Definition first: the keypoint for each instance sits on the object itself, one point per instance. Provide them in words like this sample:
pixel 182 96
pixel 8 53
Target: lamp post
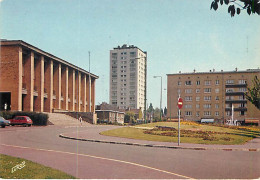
pixel 160 98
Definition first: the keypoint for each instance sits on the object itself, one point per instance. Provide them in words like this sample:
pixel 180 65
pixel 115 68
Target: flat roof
pixel 217 72
pixel 4 42
pixel 128 47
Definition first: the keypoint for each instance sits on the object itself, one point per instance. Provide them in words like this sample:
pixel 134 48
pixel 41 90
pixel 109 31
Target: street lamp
pixel 160 98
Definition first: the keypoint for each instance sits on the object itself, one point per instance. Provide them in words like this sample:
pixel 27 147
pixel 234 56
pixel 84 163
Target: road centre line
pixel 96 157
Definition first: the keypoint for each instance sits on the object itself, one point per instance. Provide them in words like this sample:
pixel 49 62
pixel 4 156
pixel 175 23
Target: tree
pixel 253 94
pixel 165 112
pixel 156 114
pixel 150 109
pixel 236 6
pixel 130 117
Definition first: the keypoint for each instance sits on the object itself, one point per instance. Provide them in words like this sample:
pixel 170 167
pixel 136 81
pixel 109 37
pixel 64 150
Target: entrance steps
pixel 65 120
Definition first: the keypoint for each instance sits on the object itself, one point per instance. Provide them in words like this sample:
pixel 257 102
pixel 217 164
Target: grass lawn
pixel 27 170
pixel 225 136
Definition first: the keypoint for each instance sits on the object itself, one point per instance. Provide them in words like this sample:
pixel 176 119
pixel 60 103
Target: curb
pixel 160 146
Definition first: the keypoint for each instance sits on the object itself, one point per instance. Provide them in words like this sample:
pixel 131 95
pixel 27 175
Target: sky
pixel 177 35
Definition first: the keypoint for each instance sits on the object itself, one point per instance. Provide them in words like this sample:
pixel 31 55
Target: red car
pixel 21 120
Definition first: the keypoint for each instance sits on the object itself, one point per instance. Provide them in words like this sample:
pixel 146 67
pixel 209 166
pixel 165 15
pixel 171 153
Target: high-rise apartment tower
pixel 128 69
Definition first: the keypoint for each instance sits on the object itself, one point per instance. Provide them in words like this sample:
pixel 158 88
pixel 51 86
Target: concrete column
pixel 59 87
pixel 84 93
pixel 67 88
pixel 93 95
pixel 70 89
pixel 79 91
pixel 87 93
pixel 64 88
pixel 76 91
pixel 73 90
pixel 20 84
pixel 48 85
pixel 39 84
pixel 29 81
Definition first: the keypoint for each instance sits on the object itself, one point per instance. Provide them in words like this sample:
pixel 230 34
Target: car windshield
pixel 28 118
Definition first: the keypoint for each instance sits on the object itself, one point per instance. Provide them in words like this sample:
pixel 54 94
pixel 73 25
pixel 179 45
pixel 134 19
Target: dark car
pixel 21 120
pixel 4 122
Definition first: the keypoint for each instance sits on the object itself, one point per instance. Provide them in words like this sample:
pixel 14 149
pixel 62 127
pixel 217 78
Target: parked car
pixel 21 120
pixel 4 122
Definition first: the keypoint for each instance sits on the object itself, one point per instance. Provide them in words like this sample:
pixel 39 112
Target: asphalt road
pixel 115 161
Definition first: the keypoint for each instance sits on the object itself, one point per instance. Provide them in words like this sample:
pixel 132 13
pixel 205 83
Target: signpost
pixel 180 104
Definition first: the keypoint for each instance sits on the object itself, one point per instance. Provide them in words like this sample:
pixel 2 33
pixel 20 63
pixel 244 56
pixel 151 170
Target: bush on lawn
pixel 39 119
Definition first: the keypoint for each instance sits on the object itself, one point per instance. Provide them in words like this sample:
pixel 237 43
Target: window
pixel 179 83
pixel 188 113
pixel 242 89
pixel 241 81
pixel 228 113
pixel 216 106
pixel 207 113
pixel 179 91
pixel 188 98
pixel 207 82
pixel 217 98
pixel 241 97
pixel 197 106
pixel 187 106
pixel 197 113
pixel 229 97
pixel 217 82
pixel 216 113
pixel 217 90
pixel 207 98
pixel 188 91
pixel 188 83
pixel 197 90
pixel 229 90
pixel 230 81
pixel 207 106
pixel 242 105
pixel 197 98
pixel 198 82
pixel 207 90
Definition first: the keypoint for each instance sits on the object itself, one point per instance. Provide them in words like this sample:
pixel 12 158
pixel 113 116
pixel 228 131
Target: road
pixel 92 160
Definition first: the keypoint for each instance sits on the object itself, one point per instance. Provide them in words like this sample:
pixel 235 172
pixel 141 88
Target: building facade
pixel 128 72
pixel 34 80
pixel 109 113
pixel 211 95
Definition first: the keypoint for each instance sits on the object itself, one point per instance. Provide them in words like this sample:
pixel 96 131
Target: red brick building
pixel 34 80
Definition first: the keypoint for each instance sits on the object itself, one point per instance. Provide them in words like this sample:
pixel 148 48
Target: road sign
pixel 180 103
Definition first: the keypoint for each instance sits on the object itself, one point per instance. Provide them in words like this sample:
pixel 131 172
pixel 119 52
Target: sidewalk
pixel 92 135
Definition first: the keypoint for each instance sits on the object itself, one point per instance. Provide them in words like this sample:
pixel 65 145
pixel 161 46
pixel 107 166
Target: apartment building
pixel 211 95
pixel 34 80
pixel 128 69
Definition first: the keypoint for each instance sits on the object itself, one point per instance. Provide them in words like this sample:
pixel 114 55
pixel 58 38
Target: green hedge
pixel 39 119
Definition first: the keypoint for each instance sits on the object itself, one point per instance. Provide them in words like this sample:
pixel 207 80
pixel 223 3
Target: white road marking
pixel 97 157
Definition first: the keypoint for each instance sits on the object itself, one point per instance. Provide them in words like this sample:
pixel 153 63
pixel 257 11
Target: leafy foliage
pixel 165 112
pixel 235 6
pixel 253 94
pixel 130 117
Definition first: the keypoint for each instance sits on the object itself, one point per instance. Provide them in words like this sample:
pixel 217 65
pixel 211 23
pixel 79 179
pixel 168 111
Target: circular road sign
pixel 180 103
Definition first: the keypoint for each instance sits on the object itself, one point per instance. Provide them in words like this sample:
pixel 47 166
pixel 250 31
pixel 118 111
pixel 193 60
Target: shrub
pixel 39 119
